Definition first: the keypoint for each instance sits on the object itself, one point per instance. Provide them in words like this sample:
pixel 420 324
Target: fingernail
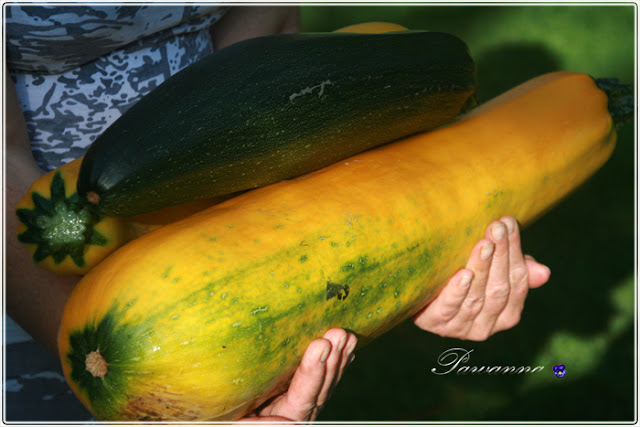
pixel 351 358
pixel 351 348
pixel 325 354
pixel 486 252
pixel 465 281
pixel 341 343
pixel 511 224
pixel 498 231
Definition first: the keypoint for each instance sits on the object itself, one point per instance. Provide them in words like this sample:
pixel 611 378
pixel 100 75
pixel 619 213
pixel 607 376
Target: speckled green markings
pixel 273 108
pixel 368 294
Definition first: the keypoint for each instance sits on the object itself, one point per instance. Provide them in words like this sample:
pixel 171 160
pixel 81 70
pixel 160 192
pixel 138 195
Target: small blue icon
pixel 559 371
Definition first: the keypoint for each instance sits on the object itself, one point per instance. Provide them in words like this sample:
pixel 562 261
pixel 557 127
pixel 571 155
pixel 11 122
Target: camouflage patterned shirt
pixel 78 68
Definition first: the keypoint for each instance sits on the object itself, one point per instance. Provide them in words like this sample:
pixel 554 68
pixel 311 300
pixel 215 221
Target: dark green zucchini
pixel 273 108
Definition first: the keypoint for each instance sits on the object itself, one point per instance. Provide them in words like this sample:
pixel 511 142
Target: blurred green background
pixel 584 317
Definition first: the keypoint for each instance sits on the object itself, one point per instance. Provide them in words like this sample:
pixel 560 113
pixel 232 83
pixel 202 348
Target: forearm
pixel 245 22
pixel 35 297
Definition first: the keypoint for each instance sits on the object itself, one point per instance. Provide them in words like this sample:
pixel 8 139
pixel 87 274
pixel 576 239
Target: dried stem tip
pixel 96 365
pixel 93 197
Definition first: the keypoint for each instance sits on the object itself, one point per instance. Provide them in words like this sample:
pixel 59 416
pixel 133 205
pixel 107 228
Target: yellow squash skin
pixel 372 28
pixel 205 318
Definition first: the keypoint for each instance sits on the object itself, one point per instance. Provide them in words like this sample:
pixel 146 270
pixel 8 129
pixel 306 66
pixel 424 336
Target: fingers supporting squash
pixel 436 316
pixel 498 287
pixel 321 368
pixel 517 279
pixel 299 402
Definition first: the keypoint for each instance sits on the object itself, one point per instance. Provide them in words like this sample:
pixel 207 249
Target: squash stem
pixel 96 365
pixel 621 99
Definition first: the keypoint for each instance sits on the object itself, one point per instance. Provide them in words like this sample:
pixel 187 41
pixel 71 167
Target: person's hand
pixel 488 295
pixel 321 368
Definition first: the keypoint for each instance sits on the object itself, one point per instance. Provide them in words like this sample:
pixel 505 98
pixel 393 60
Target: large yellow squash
pixel 205 318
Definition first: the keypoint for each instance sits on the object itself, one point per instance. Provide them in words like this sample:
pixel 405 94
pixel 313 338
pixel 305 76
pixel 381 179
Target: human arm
pixel 245 22
pixel 35 297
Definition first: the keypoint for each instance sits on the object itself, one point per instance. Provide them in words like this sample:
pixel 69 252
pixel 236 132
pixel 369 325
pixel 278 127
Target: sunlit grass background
pixel 584 317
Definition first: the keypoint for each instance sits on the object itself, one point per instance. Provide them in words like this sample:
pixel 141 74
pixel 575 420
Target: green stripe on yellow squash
pixel 205 318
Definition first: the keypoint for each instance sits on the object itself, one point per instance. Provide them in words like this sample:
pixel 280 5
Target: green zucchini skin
pixel 273 108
